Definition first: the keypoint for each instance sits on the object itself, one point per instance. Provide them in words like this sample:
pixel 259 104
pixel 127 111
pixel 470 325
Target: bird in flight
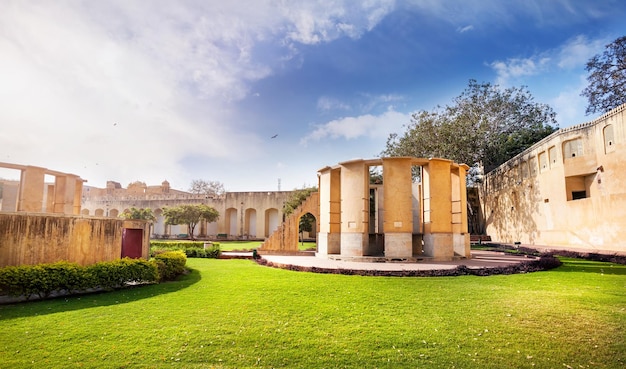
pixel 276 135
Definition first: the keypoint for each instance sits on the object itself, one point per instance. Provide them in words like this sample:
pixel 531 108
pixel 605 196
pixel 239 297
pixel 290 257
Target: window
pixel 533 166
pixel 543 161
pixel 609 139
pixel 552 156
pixel 578 187
pixel 573 148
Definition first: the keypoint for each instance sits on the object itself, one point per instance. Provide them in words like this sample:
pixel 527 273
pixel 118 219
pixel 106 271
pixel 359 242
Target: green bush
pixel 44 279
pixel 171 264
pixel 176 245
pixel 117 273
pixel 192 252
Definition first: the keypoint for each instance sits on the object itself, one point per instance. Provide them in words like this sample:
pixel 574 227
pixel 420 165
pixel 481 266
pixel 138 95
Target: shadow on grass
pixel 96 299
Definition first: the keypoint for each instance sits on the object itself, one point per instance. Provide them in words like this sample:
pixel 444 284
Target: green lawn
pixel 250 245
pixel 236 314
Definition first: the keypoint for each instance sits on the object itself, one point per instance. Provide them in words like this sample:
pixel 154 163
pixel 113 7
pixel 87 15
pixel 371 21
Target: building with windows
pixel 566 191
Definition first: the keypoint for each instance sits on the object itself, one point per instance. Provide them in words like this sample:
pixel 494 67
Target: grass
pixel 236 314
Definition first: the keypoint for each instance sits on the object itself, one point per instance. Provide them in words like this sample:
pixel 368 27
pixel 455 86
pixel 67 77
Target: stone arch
pixel 230 219
pixel 114 213
pixel 307 234
pixel 159 228
pixel 99 212
pixel 250 222
pixel 271 221
pixel 84 212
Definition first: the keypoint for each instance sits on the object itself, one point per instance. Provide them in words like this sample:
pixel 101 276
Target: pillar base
pixel 398 245
pixel 353 244
pixel 328 244
pixel 439 246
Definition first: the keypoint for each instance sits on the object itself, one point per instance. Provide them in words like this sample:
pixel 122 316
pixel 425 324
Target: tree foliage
pixel 484 125
pixel 209 188
pixel 190 215
pixel 607 78
pixel 297 197
pixel 134 213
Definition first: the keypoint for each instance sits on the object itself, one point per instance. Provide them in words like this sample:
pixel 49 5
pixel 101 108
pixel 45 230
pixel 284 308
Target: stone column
pixel 354 207
pixel 398 204
pixel 64 191
pixel 461 237
pixel 438 239
pixel 329 235
pixel 31 189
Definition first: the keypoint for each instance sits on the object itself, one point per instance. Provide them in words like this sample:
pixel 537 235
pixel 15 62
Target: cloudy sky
pixel 248 92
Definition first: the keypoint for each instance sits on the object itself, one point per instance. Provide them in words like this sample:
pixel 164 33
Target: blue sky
pixel 182 90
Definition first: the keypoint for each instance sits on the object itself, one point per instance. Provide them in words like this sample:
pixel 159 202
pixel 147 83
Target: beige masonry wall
pixel 30 238
pixel 566 191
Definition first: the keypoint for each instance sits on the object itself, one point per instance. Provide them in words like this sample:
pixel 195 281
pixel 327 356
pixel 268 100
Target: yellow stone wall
pixel 566 191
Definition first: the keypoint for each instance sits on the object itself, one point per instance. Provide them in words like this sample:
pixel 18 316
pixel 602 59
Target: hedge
pixel 171 264
pixel 67 278
pixel 191 249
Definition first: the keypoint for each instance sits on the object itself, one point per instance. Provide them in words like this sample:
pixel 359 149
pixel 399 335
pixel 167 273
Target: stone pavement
pixel 480 259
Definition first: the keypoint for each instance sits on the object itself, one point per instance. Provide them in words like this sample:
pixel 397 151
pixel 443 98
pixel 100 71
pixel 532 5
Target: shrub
pixel 117 273
pixel 171 264
pixel 44 279
pixel 192 252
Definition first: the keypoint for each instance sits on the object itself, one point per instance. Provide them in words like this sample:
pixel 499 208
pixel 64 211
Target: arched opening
pixel 271 221
pixel 113 213
pixel 84 212
pixel 307 230
pixel 159 224
pixel 99 212
pixel 230 219
pixel 250 223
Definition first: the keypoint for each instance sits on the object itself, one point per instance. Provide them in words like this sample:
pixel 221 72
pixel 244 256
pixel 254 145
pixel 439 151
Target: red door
pixel 132 243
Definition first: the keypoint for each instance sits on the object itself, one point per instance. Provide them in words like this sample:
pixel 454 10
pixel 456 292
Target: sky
pixel 261 94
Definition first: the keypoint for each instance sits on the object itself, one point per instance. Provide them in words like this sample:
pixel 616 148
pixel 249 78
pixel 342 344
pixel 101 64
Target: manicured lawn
pixel 250 245
pixel 236 314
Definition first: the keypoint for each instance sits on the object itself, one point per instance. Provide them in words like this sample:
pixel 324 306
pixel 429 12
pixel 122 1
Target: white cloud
pixel 573 54
pixel 108 89
pixel 372 126
pixel 465 29
pixel 326 103
pixel 578 50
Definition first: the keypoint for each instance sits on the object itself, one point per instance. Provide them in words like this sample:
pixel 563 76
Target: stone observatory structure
pixel 393 209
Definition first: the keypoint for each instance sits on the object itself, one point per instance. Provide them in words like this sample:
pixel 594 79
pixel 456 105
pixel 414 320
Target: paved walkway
pixel 480 259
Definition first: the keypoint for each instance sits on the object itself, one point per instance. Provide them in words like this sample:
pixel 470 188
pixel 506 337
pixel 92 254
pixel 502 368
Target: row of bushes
pixel 62 277
pixel 191 249
pixel 179 245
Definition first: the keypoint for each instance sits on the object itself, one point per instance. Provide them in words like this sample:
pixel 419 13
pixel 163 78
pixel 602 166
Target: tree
pixel 190 215
pixel 134 213
pixel 485 126
pixel 208 188
pixel 305 225
pixel 607 78
pixel 296 198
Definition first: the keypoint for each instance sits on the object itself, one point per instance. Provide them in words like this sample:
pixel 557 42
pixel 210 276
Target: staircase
pixel 285 238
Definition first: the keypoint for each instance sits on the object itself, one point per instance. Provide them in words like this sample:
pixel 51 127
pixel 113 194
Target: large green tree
pixel 190 215
pixel 607 78
pixel 134 213
pixel 296 198
pixel 485 125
